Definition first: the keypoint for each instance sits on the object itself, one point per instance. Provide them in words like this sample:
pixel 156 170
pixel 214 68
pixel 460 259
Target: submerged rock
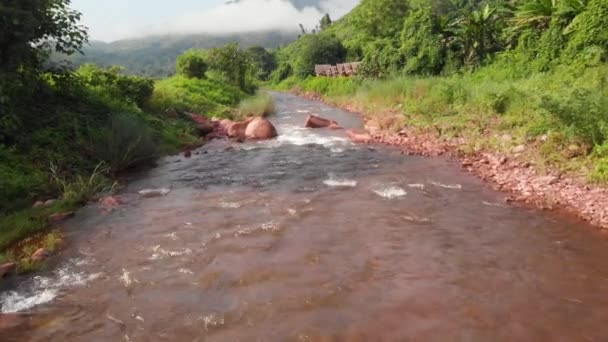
pixel 109 203
pixel 358 136
pixel 260 128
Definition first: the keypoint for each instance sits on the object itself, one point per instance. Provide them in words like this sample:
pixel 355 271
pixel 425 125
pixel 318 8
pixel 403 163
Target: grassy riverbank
pixel 89 125
pixel 560 117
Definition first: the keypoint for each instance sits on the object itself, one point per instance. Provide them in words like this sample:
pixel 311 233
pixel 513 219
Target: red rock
pixel 358 136
pixel 260 128
pixel 60 217
pixel 334 126
pixel 40 255
pixel 314 121
pixel 7 268
pixel 204 126
pixel 109 203
pixel 238 129
pixel 223 126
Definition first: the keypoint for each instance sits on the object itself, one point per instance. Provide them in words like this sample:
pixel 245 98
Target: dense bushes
pixel 209 97
pixel 192 64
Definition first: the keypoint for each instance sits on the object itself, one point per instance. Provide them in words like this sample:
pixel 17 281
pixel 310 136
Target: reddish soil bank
pixel 512 174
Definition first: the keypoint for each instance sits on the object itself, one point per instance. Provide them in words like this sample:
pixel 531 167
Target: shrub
pixel 125 141
pixel 260 105
pixel 81 189
pixel 192 64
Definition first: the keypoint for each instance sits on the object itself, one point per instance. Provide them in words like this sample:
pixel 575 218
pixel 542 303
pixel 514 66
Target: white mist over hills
pixel 235 16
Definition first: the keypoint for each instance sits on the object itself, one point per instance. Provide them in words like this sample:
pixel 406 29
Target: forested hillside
pixel 155 56
pixel 526 70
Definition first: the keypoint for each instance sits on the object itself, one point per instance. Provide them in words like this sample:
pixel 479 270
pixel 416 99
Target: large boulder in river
pixel 313 121
pixel 224 125
pixel 260 128
pixel 237 129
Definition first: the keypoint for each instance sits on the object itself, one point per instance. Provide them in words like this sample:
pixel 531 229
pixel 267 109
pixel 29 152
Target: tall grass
pixel 261 104
pixel 568 106
pixel 208 97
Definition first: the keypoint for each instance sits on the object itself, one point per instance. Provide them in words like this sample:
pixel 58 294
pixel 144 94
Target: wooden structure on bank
pixel 345 69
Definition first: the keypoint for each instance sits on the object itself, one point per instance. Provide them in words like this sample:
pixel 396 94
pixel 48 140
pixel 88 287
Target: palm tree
pixel 535 14
pixel 475 34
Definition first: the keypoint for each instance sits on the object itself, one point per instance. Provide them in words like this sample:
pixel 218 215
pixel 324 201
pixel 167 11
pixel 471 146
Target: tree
pixel 317 49
pixel 234 64
pixel 325 22
pixel 31 29
pixel 476 35
pixel 422 43
pixel 263 61
pixel 192 64
pixel 380 18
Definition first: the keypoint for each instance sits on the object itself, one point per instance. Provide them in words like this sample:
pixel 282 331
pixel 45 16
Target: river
pixel 311 238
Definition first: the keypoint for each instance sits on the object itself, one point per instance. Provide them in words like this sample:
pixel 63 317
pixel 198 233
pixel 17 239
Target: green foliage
pixel 282 72
pixel 234 66
pixel 81 189
pixel 422 43
pixel 264 62
pixel 584 111
pixel 155 56
pixel 325 22
pixel 192 64
pixel 316 49
pixel 125 141
pixel 210 97
pixel 382 58
pixel 31 29
pixel 589 31
pixel 110 81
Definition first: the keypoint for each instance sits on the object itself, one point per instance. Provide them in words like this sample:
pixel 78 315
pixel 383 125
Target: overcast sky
pixel 111 20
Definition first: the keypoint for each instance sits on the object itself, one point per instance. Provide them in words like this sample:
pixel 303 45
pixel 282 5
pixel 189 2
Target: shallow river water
pixel 311 238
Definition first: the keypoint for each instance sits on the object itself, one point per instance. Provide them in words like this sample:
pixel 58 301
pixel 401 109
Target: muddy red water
pixel 311 238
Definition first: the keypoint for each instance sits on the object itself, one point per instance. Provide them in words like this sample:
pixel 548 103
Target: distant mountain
pixel 155 56
pixel 299 4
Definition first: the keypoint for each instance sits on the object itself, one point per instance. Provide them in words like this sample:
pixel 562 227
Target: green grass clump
pixel 207 96
pixel 261 104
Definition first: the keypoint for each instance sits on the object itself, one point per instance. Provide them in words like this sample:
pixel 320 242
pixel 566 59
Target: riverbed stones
pixel 358 136
pixel 260 128
pixel 109 203
pixel 7 268
pixel 519 149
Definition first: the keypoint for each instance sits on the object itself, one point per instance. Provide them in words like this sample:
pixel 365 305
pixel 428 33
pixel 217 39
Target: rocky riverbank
pixel 513 173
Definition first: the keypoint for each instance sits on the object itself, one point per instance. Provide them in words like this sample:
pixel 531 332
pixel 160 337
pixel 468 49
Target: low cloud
pixel 245 16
